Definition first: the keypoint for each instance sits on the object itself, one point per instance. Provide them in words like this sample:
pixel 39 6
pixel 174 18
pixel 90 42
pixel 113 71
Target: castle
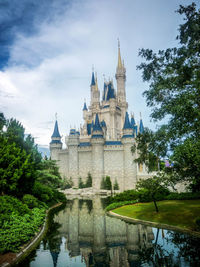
pixel 103 144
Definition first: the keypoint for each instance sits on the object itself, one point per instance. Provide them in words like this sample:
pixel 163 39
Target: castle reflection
pixel 99 239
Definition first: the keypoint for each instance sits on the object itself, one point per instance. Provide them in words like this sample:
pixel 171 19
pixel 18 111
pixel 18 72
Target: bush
pixel 32 202
pixel 115 205
pixel 18 229
pixel 80 183
pixel 183 196
pixel 124 196
pixel 67 183
pixel 116 186
pixel 43 192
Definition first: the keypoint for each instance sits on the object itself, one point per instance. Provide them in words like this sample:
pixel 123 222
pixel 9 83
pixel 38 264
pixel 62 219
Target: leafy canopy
pixel 174 95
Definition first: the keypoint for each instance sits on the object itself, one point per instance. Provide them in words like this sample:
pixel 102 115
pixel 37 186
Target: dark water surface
pixel 82 235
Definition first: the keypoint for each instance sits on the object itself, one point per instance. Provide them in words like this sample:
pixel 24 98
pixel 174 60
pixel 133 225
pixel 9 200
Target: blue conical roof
pixel 97 126
pixel 93 79
pixel 141 128
pixel 132 122
pixel 127 124
pixel 56 131
pixel 85 106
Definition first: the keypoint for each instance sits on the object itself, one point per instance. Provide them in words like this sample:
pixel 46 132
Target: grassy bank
pixel 180 213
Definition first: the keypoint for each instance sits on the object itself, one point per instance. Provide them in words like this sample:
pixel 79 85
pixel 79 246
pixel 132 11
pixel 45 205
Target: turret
pixel 95 94
pixel 127 129
pixel 129 166
pixel 85 110
pixel 56 144
pixel 141 126
pixel 97 142
pixel 73 143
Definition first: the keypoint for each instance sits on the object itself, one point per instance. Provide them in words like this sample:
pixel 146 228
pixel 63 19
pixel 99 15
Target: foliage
pixel 67 183
pixel 49 174
pixel 154 188
pixel 116 186
pixel 32 202
pixel 115 205
pixel 19 229
pixel 80 183
pixel 183 196
pixel 18 223
pixel 2 121
pixel 174 95
pixel 16 169
pixel 124 196
pixel 89 180
pixel 106 183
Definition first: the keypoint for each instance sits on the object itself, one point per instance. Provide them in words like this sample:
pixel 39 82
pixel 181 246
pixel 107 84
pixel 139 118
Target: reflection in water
pixel 81 235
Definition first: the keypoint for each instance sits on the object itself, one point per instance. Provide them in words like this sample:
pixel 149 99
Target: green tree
pixel 89 180
pixel 116 186
pixel 153 186
pixel 2 121
pixel 16 169
pixel 174 94
pixel 80 183
pixel 49 174
pixel 108 183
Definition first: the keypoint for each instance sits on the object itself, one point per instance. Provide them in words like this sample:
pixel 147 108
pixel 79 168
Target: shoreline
pixel 153 224
pixel 29 246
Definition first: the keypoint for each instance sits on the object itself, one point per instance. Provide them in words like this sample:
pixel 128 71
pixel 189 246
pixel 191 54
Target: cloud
pixel 53 47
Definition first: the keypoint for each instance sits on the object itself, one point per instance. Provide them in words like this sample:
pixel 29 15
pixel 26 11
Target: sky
pixel 48 47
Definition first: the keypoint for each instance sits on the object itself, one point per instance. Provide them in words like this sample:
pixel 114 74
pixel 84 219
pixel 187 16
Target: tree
pixel 89 180
pixel 153 186
pixel 2 121
pixel 16 169
pixel 80 183
pixel 174 94
pixel 49 174
pixel 116 186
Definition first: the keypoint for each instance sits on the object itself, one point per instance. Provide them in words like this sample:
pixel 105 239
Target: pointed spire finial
pixel 140 115
pixel 56 116
pixel 119 56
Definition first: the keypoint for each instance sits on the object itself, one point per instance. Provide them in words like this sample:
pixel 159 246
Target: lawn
pixel 181 213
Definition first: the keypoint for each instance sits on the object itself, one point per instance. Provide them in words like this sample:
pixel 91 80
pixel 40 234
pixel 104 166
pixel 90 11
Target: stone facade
pixel 103 144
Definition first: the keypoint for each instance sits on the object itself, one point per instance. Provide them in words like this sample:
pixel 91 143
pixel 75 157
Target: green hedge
pixel 183 196
pixel 18 223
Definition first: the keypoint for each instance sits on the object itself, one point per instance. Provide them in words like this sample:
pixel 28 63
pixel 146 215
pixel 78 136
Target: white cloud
pixel 50 71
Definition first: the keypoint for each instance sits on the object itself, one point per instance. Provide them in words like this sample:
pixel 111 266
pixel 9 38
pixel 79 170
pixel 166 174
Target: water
pixel 82 235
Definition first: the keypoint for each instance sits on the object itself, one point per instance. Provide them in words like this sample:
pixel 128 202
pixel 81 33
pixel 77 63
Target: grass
pixel 181 213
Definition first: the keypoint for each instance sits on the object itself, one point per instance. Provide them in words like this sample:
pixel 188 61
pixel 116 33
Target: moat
pixel 82 235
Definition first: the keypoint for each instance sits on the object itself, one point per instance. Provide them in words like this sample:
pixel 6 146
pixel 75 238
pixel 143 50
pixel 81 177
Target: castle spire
pixel 119 65
pixel 96 83
pixel 127 124
pixel 56 131
pixel 141 127
pixel 93 79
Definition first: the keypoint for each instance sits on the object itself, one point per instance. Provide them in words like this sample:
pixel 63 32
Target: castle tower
pixel 95 94
pixel 56 144
pixel 73 162
pixel 121 82
pixel 97 142
pixel 129 165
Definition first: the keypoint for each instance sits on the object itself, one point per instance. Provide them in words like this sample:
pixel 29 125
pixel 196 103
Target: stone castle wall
pixel 100 160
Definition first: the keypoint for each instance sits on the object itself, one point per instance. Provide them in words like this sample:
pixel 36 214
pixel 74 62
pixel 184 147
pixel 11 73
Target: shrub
pixel 80 183
pixel 43 192
pixel 183 196
pixel 67 183
pixel 31 201
pixel 124 196
pixel 18 229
